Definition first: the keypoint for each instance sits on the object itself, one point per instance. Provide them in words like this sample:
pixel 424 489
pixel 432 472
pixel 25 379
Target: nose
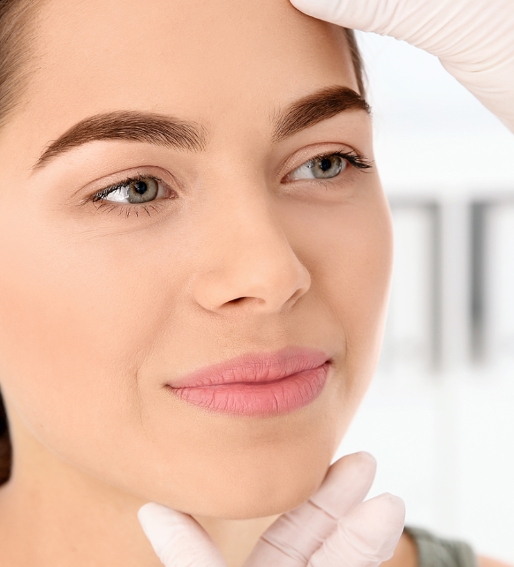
pixel 250 262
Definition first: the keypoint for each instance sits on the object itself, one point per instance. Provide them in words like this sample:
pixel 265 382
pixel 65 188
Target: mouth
pixel 257 384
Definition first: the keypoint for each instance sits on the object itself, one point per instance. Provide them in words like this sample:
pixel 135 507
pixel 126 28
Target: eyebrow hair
pixel 129 125
pixel 172 132
pixel 314 108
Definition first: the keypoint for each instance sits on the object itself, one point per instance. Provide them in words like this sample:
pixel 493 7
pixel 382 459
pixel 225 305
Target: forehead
pixel 185 57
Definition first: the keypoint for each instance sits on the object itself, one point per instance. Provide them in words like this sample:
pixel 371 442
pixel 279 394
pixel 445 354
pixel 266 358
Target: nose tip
pixel 257 269
pixel 263 286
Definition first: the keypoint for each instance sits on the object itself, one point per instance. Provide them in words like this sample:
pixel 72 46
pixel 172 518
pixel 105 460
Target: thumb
pixel 366 537
pixel 177 538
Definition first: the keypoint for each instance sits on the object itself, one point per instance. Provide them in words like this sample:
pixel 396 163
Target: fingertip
pixel 328 10
pixel 362 462
pixel 302 5
pixel 366 458
pixel 151 513
pixel 160 523
pixel 177 538
pixel 147 512
pixel 392 505
pixel 365 454
pixel 346 484
pixel 378 521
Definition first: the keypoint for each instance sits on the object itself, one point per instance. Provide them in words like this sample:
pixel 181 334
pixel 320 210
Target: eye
pixel 140 189
pixel 324 167
pixel 328 166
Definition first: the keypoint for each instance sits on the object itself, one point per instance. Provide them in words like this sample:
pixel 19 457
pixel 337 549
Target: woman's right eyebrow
pixel 172 132
pixel 128 125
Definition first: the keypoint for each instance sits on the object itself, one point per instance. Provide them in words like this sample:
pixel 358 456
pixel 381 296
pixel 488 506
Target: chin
pixel 249 509
pixel 238 502
pixel 242 472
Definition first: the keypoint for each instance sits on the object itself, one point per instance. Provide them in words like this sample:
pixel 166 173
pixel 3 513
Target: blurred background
pixel 439 416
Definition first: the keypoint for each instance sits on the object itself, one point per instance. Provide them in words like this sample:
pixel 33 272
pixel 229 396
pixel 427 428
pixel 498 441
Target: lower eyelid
pixel 126 210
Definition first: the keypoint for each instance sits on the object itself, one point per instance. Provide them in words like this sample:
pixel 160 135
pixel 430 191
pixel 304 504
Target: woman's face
pixel 233 248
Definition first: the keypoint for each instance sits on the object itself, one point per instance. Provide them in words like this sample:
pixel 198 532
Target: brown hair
pixel 5 445
pixel 358 65
pixel 15 32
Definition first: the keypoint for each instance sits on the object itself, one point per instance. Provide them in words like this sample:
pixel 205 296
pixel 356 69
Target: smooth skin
pixel 99 309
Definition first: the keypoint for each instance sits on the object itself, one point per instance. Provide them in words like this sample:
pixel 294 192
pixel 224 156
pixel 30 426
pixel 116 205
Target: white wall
pixel 439 415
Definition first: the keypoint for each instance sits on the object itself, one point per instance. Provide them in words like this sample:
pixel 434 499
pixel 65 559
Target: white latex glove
pixel 474 39
pixel 334 528
pixel 177 538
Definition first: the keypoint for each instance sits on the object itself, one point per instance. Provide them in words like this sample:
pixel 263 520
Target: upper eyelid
pixel 318 156
pixel 343 153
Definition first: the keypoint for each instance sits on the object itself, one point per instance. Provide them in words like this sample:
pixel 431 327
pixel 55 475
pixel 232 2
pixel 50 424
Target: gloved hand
pixel 334 528
pixel 474 39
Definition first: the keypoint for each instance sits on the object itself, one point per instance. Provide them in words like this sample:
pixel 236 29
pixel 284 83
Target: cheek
pixel 78 315
pixel 354 279
pixel 365 274
pixel 349 251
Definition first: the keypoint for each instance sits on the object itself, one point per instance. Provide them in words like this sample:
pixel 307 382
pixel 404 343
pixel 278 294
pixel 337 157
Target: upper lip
pixel 250 367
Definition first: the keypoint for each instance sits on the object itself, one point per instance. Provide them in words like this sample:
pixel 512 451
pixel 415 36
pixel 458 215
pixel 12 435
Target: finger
pixel 294 537
pixel 178 539
pixel 365 15
pixel 366 537
pixel 346 484
pixel 399 18
pixel 433 25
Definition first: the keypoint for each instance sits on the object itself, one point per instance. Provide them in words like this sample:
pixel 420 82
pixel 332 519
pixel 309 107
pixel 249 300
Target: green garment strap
pixel 434 551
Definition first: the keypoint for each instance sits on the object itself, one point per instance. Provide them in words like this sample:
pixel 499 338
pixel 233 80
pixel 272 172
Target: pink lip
pixel 252 384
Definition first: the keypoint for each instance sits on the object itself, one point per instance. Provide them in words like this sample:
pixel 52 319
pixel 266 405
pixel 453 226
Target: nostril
pixel 244 299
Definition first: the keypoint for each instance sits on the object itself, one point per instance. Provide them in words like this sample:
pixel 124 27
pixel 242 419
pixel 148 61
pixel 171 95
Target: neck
pixel 54 515
pixel 235 538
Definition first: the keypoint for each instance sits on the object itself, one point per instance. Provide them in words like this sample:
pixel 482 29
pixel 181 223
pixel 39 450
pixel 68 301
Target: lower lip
pixel 259 398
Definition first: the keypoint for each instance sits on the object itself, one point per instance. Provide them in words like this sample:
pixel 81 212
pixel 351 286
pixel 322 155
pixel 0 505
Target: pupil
pixel 140 187
pixel 325 164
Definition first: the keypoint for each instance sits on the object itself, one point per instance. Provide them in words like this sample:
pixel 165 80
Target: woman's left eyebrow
pixel 315 107
pixel 186 135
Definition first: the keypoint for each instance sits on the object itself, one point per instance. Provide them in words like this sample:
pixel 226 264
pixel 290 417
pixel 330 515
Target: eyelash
pixel 108 190
pixel 357 160
pixel 353 158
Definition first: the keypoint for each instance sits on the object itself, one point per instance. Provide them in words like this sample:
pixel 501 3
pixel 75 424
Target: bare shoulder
pixel 406 555
pixel 489 562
